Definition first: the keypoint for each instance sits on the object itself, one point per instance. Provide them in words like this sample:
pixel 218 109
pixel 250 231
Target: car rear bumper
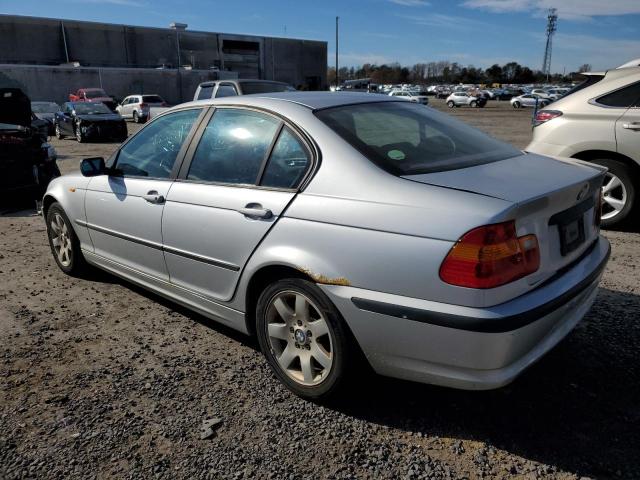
pixel 464 347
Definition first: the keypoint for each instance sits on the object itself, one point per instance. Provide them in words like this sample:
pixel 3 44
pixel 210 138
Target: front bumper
pixel 104 130
pixel 465 347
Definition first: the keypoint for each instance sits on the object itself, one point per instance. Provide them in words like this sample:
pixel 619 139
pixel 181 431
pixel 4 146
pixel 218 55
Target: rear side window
pixel 233 147
pixel 205 93
pixel 288 162
pixel 404 138
pixel 263 87
pixel 623 98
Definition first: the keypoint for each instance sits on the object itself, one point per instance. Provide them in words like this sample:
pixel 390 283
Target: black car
pixel 27 161
pixel 89 121
pixel 46 111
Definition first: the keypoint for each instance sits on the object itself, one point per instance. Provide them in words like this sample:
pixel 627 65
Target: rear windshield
pixel 263 87
pixel 90 108
pixel 590 80
pixel 152 99
pixel 405 138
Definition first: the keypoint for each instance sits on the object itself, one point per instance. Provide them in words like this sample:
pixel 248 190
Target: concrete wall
pixel 55 83
pixel 41 41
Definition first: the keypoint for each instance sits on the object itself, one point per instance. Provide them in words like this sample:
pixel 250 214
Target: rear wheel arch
pixel 258 282
pixel 589 155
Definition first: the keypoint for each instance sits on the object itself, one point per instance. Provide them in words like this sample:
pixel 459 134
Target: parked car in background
pixel 529 100
pixel 475 262
pixel 46 111
pixel 93 95
pixel 541 92
pixel 88 121
pixel 412 96
pixel 27 160
pixel 137 107
pixel 460 99
pixel 599 121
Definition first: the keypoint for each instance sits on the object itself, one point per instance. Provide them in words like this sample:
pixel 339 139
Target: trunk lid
pixel 555 199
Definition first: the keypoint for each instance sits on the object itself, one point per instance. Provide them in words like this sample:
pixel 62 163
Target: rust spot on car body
pixel 319 278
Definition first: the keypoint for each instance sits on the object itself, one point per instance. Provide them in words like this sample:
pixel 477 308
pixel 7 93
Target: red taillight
pixel 545 115
pixel 490 256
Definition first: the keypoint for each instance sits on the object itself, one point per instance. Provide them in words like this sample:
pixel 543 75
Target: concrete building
pixel 74 45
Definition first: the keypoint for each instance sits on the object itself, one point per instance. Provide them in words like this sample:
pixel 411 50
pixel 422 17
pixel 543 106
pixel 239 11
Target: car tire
pixel 58 132
pixel 619 192
pixel 64 242
pixel 318 352
pixel 450 104
pixel 516 104
pixel 473 104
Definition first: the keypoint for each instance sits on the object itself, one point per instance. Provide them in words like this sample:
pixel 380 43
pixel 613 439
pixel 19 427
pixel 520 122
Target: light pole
pixel 178 27
pixel 337 76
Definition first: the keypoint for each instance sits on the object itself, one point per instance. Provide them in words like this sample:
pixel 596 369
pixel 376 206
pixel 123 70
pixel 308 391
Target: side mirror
pixel 92 167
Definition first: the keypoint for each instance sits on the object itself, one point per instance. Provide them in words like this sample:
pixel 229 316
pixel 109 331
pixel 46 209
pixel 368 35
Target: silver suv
pixel 599 121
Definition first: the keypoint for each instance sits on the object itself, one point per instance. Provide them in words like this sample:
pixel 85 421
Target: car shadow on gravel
pixel 576 409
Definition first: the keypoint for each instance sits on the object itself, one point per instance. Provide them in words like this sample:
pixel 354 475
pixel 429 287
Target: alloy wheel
pixel 299 337
pixel 614 196
pixel 61 240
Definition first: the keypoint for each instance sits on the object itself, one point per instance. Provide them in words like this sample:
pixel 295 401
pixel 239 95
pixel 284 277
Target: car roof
pixel 312 100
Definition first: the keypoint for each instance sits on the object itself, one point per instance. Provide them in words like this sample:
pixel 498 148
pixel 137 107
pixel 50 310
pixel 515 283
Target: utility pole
pixel 337 80
pixel 552 22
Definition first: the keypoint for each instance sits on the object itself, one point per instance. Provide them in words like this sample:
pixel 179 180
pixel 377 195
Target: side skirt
pixel 187 298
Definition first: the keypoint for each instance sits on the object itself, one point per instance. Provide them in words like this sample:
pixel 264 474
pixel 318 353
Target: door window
pixel 152 152
pixel 288 162
pixel 233 147
pixel 226 90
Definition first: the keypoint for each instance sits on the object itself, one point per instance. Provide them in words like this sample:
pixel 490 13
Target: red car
pixel 93 95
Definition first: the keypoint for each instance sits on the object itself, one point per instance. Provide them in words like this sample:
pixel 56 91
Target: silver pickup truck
pixel 231 88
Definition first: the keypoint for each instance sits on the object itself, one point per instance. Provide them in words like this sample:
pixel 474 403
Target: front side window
pixel 233 147
pixel 404 138
pixel 623 98
pixel 288 162
pixel 153 152
pixel 226 90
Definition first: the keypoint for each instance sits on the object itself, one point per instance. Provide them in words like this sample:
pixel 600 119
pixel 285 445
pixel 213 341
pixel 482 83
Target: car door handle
pixel 255 211
pixel 631 126
pixel 153 197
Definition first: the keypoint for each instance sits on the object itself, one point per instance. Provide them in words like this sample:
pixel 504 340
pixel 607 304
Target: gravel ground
pixel 100 379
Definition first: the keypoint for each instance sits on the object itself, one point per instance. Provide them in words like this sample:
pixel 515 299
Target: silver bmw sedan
pixel 339 226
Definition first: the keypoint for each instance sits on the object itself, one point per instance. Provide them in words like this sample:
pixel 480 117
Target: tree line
pixel 448 73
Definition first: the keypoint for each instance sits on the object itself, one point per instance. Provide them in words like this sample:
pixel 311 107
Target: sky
pixel 602 33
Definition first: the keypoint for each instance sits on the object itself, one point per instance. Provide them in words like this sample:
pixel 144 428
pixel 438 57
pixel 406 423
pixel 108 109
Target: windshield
pixel 90 108
pixel 404 138
pixel 95 93
pixel 45 107
pixel 263 87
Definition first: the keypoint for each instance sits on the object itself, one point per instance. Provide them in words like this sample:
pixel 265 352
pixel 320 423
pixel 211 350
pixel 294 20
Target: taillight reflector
pixel 490 256
pixel 545 115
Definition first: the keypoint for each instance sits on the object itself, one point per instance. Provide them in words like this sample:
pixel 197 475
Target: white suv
pixel 599 121
pixel 136 107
